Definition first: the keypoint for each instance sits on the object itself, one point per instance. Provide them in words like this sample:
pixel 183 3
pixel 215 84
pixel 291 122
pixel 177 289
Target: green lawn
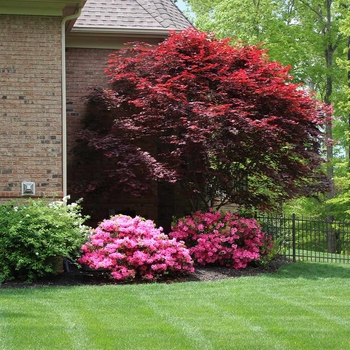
pixel 304 306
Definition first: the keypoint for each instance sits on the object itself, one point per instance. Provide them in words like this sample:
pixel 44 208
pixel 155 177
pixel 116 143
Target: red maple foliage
pixel 224 122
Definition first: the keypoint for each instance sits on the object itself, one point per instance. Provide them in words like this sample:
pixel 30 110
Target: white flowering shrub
pixel 32 234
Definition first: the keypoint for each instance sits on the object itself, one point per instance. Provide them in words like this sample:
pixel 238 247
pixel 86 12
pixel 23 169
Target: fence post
pixel 331 238
pixel 293 237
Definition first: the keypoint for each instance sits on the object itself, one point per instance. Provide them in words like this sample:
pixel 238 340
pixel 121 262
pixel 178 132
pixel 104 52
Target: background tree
pixel 343 12
pixel 295 32
pixel 339 205
pixel 222 121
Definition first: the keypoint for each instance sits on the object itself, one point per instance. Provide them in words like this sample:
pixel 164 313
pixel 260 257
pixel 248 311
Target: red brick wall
pixel 30 104
pixel 85 67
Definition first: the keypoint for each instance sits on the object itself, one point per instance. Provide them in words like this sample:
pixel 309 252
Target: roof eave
pixel 40 7
pixel 149 32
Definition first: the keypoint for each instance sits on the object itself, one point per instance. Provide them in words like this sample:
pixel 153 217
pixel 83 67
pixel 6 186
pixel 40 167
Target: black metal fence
pixel 321 240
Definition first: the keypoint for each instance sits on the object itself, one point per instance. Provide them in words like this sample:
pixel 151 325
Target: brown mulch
pixel 79 277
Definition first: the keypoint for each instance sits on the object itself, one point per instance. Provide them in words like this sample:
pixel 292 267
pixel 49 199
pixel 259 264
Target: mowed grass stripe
pixel 323 311
pixel 181 320
pixel 126 321
pixel 316 296
pixel 261 322
pixel 296 308
pixel 229 323
pixel 115 317
pixel 5 331
pixel 43 320
pixel 301 326
pixel 28 324
pixel 68 317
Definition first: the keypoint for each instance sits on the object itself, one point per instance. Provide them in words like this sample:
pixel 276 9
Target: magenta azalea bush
pixel 134 247
pixel 222 238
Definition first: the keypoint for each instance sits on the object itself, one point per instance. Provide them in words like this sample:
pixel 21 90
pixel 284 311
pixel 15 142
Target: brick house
pixel 41 106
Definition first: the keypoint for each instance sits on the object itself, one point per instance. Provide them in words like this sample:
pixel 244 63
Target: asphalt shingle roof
pixel 123 14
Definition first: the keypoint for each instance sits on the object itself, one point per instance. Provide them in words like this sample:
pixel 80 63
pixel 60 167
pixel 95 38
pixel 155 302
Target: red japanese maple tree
pixel 224 122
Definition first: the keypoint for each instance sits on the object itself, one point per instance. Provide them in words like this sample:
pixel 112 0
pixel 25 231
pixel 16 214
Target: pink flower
pixel 108 225
pixel 130 247
pixel 148 276
pixel 222 238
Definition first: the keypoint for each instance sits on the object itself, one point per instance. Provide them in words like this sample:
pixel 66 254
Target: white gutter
pixel 64 98
pixel 125 31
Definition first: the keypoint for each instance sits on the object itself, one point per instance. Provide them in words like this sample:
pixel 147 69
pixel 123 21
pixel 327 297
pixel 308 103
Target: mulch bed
pixel 79 277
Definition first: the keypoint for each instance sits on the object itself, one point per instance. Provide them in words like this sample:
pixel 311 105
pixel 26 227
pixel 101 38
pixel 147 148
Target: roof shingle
pixel 124 14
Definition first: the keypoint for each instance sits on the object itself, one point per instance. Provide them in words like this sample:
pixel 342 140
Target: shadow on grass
pixel 9 315
pixel 313 270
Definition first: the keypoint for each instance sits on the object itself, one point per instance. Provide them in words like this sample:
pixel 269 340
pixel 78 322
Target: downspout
pixel 64 98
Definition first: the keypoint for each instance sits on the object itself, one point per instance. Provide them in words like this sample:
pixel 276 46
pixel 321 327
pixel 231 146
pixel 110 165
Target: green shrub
pixel 34 233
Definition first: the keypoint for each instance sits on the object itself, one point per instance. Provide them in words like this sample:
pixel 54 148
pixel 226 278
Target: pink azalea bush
pixel 134 247
pixel 222 238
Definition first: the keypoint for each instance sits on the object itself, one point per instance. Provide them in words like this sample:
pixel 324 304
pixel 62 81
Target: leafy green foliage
pixel 337 207
pixel 33 234
pixel 294 32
